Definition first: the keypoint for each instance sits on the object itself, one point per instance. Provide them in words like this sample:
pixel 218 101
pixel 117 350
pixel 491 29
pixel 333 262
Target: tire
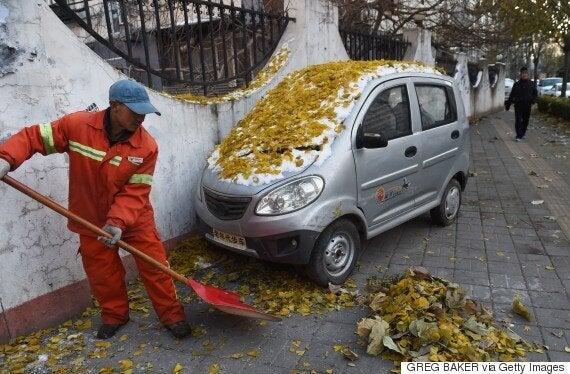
pixel 335 253
pixel 447 211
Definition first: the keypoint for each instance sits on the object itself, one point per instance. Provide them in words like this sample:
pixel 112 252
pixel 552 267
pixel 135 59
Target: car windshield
pixel 550 81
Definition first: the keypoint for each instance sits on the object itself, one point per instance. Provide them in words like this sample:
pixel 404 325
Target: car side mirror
pixel 374 140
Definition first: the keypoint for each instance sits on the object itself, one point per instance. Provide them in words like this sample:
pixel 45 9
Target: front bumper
pixel 293 247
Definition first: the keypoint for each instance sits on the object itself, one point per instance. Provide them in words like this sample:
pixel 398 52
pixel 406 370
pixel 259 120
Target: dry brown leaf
pixel 521 310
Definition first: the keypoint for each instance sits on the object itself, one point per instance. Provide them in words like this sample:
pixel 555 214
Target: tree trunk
pixel 566 65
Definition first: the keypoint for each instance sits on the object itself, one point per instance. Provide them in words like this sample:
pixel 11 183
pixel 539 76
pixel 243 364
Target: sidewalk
pixel 503 245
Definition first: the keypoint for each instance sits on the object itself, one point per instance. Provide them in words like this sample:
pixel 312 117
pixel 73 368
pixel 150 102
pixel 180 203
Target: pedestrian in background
pixel 523 95
pixel 111 163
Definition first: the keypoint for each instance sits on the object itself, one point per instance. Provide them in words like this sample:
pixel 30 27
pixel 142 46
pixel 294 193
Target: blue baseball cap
pixel 133 95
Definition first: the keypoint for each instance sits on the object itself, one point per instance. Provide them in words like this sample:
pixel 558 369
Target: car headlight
pixel 290 197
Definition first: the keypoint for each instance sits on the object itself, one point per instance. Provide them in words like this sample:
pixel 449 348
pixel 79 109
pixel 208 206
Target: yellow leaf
pixel 349 354
pixel 421 303
pixel 253 353
pixel 521 310
pixel 126 365
pixel 123 337
pixel 214 369
pixel 237 355
pixel 549 267
pixel 178 368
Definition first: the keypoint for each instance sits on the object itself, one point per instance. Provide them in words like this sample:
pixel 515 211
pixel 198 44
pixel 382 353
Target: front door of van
pixel 387 176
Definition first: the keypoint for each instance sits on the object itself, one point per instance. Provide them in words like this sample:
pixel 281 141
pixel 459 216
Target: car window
pixel 389 114
pixel 437 105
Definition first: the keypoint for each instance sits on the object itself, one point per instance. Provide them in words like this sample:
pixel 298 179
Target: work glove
pixel 113 230
pixel 4 167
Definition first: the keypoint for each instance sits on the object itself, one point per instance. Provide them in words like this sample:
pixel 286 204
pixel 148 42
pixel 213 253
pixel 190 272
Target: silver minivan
pixel 402 150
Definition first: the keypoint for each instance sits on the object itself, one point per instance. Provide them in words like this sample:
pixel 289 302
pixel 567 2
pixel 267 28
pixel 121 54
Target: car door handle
pixel 455 134
pixel 411 151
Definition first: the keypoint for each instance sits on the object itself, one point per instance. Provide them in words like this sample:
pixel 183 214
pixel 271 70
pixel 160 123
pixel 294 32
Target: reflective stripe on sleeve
pixel 116 160
pixel 86 151
pixel 141 178
pixel 47 138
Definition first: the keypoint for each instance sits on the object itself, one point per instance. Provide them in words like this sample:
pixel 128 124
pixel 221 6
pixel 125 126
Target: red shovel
pixel 226 301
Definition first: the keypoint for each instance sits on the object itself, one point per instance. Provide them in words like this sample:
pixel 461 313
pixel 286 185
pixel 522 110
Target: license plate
pixel 229 239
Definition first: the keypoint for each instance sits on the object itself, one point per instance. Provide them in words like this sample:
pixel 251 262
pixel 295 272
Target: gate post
pixel 420 46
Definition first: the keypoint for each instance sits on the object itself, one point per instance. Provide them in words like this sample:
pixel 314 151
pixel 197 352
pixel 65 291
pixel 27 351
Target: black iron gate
pixel 179 45
pixel 361 46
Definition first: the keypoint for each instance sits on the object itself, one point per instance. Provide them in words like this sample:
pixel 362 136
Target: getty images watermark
pixel 485 367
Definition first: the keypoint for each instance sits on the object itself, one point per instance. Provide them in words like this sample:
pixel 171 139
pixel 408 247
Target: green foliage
pixel 556 106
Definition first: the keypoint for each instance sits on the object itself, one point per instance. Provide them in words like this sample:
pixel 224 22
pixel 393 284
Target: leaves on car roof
pixel 297 121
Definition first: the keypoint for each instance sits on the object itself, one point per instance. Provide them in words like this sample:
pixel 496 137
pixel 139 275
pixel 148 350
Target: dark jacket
pixel 523 93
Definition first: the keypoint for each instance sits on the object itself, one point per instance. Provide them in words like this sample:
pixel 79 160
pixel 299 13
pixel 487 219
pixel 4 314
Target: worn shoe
pixel 517 139
pixel 108 330
pixel 179 329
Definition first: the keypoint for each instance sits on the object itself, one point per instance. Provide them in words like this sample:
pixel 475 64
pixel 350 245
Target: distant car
pixel 547 83
pixel 508 86
pixel 365 147
pixel 556 90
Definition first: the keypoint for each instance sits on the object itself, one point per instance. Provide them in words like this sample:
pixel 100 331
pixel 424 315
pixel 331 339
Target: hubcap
pixel 339 254
pixel 452 201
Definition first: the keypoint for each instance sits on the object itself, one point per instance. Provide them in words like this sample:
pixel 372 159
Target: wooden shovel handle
pixel 95 229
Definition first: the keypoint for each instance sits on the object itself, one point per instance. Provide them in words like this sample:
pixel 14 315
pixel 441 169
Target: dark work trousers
pixel 522 114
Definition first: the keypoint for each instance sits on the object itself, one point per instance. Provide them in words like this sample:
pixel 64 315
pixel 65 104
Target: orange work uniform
pixel 108 184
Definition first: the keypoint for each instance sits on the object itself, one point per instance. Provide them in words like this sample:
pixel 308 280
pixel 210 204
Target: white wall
pixel 481 98
pixel 49 73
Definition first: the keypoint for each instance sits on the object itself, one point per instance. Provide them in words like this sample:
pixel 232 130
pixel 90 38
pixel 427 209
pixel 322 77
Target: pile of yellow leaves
pixel 276 289
pixel 421 318
pixel 277 61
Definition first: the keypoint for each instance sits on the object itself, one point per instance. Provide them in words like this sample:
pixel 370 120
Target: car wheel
pixel 446 212
pixel 335 253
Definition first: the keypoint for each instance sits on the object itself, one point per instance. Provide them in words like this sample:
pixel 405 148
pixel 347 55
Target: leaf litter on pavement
pixel 272 288
pixel 416 317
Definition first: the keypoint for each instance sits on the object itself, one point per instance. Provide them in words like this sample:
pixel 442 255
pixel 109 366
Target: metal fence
pixel 361 46
pixel 198 46
pixel 447 64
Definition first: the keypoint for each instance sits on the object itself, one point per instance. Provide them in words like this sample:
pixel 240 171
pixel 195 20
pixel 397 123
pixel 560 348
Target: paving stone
pixel 507 295
pixel 516 282
pixel 552 284
pixel 500 267
pixel 552 317
pixel 554 342
pixel 471 277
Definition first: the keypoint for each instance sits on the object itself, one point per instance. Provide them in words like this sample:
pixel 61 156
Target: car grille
pixel 226 207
